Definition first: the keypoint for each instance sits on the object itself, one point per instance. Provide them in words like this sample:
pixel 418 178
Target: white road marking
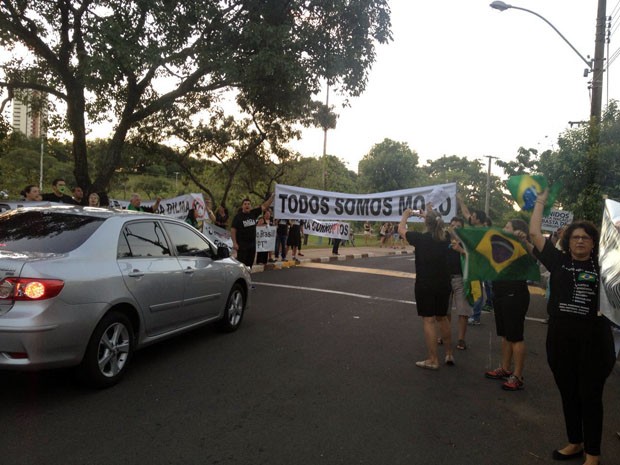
pixel 352 269
pixel 355 269
pixel 327 291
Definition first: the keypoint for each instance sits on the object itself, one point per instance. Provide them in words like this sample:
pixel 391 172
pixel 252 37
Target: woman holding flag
pixel 511 301
pixel 432 284
pixel 580 348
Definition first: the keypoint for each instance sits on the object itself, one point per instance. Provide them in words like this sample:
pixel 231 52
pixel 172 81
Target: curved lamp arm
pixel 501 6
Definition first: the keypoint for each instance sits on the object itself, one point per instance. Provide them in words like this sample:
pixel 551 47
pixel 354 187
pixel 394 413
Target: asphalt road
pixel 321 372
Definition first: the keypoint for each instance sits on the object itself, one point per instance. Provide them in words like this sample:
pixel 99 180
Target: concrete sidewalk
pixel 323 255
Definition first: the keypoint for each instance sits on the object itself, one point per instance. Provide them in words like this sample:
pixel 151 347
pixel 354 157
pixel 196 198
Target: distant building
pixel 24 120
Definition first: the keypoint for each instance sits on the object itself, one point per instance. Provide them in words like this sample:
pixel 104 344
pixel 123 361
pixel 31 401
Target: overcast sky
pixel 461 78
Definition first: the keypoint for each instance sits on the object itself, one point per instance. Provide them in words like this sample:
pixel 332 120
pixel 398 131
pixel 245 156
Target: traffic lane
pixel 453 416
pixel 333 277
pixel 396 275
pixel 306 381
pixel 205 398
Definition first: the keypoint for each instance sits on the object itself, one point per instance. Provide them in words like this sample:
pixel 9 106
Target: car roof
pixel 98 212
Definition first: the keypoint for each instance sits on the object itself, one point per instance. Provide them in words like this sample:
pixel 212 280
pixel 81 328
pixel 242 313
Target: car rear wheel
pixel 235 307
pixel 109 351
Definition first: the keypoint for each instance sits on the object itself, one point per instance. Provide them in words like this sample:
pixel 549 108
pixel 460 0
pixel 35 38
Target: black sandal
pixel 461 345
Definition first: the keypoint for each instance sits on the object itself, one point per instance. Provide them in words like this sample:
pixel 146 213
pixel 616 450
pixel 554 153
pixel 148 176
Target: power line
pixel 615 8
pixel 613 56
pixel 612 32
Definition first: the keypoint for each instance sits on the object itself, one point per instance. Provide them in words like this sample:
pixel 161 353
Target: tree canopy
pixel 389 166
pixel 158 62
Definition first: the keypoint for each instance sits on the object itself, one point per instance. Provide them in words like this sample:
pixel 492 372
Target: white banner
pixel 333 229
pixel 609 260
pixel 265 238
pixel 177 207
pixel 219 236
pixel 307 204
pixel 556 219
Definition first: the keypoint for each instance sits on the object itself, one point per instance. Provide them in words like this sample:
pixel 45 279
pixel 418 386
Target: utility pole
pixel 325 129
pixel 589 201
pixel 598 65
pixel 488 193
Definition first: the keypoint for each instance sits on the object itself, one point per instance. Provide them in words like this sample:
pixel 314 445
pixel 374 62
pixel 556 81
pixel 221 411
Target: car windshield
pixel 45 232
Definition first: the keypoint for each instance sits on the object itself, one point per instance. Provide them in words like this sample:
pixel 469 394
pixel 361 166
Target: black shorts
pixel 510 310
pixel 246 255
pixel 432 302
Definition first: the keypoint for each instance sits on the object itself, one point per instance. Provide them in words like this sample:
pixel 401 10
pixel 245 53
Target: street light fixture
pixel 502 6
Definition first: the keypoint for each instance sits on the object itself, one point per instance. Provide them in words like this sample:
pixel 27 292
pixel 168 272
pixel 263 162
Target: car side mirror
pixel 223 252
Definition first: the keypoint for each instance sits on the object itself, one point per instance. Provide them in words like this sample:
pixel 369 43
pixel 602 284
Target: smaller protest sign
pixel 556 219
pixel 333 229
pixel 265 238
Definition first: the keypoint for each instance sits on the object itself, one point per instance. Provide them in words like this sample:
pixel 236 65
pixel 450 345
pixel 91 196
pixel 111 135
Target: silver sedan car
pixel 86 287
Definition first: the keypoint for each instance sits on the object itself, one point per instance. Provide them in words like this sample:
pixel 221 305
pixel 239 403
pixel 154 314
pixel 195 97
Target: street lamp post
pixel 589 198
pixel 488 191
pixel 595 66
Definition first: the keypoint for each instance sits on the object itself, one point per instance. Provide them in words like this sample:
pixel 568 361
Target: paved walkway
pixel 323 255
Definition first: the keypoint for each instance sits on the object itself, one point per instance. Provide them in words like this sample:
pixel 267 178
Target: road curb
pixel 283 265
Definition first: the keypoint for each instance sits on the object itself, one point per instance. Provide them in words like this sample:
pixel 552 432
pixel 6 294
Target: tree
pixel 526 162
pixel 389 166
pixel 131 61
pixel 572 165
pixel 471 180
pixel 325 173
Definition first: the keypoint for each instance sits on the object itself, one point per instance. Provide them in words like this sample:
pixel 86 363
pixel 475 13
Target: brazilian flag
pixel 525 189
pixel 495 255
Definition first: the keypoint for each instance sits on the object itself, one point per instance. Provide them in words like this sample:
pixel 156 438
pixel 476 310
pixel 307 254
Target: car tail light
pixel 30 288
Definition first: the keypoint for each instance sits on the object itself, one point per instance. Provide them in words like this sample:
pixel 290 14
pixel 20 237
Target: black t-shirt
pixel 245 225
pixel 282 228
pixel 430 260
pixel 454 262
pixel 64 198
pixel 573 283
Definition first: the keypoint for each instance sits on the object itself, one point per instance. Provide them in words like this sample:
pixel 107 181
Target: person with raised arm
pixel 432 283
pixel 580 347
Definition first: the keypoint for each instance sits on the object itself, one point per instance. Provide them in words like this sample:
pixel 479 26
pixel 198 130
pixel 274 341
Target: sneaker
pixel 498 373
pixel 300 254
pixel 487 308
pixel 513 384
pixel 473 322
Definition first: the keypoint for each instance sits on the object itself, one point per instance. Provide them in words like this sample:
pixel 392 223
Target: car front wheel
pixel 109 351
pixel 235 307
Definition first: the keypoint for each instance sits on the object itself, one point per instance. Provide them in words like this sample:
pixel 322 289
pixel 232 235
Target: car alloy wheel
pixel 109 351
pixel 113 351
pixel 235 307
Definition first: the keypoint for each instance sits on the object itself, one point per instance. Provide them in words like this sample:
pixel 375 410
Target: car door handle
pixel 136 274
pixel 189 270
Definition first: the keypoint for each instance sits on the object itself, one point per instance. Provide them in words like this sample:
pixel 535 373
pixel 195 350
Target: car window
pixel 45 231
pixel 187 242
pixel 143 239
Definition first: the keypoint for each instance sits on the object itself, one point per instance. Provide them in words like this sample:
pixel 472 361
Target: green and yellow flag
pixel 525 189
pixel 495 255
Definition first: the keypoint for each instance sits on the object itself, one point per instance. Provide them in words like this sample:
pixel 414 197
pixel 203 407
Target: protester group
pixel 580 346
